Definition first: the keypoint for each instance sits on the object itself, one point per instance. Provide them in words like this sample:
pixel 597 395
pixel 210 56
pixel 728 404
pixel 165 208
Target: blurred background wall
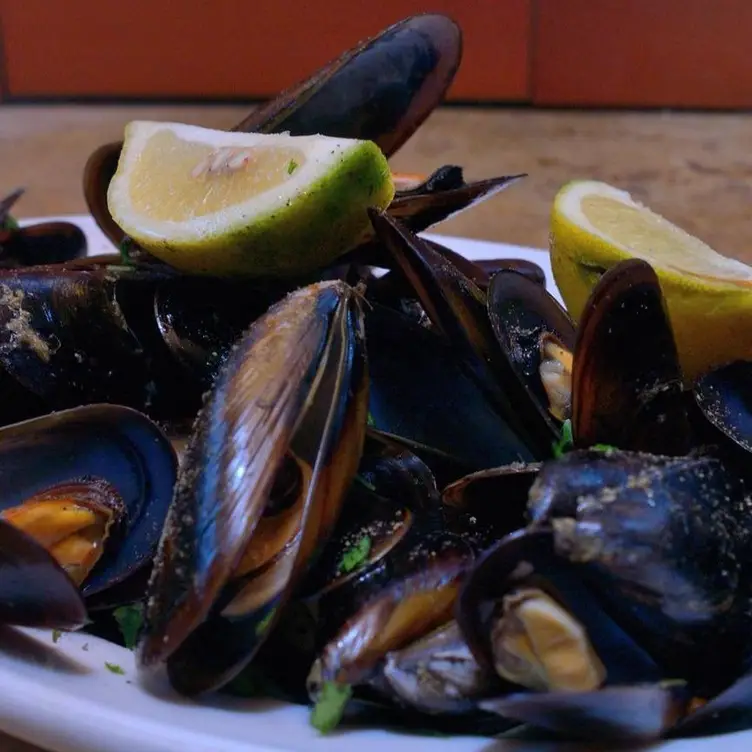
pixel 578 53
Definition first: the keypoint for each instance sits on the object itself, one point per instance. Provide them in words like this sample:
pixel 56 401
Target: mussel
pixel 38 243
pixel 272 455
pixel 92 486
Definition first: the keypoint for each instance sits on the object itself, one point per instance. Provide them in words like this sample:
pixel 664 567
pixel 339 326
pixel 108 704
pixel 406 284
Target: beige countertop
pixel 696 169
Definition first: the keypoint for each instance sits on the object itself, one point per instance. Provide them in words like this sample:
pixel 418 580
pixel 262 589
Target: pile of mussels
pixel 424 493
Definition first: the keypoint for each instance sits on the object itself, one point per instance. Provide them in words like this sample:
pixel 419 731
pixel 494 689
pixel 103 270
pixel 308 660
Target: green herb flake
pixel 56 635
pixel 355 556
pixel 370 421
pixel 114 668
pixel 292 166
pixel 565 442
pixel 330 707
pixel 263 625
pixel 363 482
pixel 603 448
pixel 126 244
pixel 9 223
pixel 129 620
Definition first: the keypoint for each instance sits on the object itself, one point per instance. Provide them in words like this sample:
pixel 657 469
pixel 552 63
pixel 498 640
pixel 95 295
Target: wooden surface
pixel 696 169
pixel 665 53
pixel 149 48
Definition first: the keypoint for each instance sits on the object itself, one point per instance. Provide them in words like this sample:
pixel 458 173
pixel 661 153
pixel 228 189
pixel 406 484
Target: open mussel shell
pixel 627 381
pixel 273 452
pixel 35 591
pixel 664 541
pixel 380 90
pixel 456 308
pixel 495 499
pixel 419 598
pixel 435 674
pixel 565 664
pixel 421 392
pixel 41 243
pixel 103 455
pixel 524 317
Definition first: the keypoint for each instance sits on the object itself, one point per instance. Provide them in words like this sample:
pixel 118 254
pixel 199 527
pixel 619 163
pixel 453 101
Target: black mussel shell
pixel 109 442
pixel 457 309
pixel 495 500
pixel 420 391
pixel 528 561
pixel 521 312
pixel 724 399
pixel 34 590
pixel 291 396
pixel 664 540
pixel 627 382
pixel 381 90
pixel 41 243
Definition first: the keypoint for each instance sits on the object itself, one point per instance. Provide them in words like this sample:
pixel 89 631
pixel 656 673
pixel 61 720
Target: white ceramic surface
pixel 62 697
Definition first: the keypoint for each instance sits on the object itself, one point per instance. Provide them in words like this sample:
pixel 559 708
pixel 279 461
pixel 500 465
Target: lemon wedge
pixel 225 203
pixel 708 296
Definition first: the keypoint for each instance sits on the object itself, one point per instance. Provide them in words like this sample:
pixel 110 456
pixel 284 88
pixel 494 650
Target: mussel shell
pixel 41 243
pixel 111 442
pixel 724 398
pixel 521 311
pixel 528 558
pixel 457 309
pixel 664 541
pixel 617 714
pixel 308 341
pixel 421 391
pixel 380 90
pixel 627 382
pixel 34 590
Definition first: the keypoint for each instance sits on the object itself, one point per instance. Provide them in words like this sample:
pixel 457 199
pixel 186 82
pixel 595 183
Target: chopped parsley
pixel 263 625
pixel 114 668
pixel 292 166
pixel 129 619
pixel 330 707
pixel 126 244
pixel 566 441
pixel 356 556
pixel 603 448
pixel 9 223
pixel 363 482
pixel 56 635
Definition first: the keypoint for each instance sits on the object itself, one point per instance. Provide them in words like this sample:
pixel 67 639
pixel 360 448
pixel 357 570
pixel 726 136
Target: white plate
pixel 62 697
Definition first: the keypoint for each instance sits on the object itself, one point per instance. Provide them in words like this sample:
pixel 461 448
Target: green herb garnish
pixel 56 635
pixel 566 441
pixel 292 166
pixel 370 421
pixel 330 707
pixel 114 668
pixel 603 448
pixel 129 619
pixel 363 482
pixel 126 244
pixel 9 223
pixel 262 626
pixel 355 556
